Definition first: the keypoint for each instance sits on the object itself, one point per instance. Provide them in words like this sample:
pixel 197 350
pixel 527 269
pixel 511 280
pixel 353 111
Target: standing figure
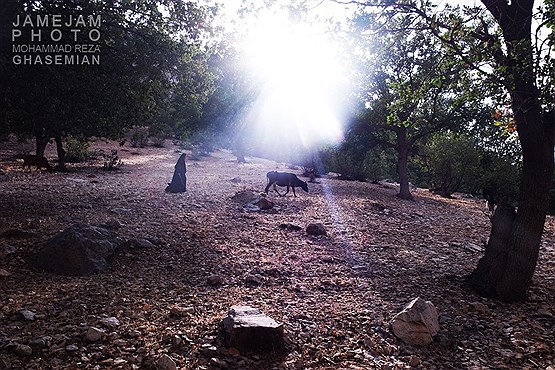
pixel 179 180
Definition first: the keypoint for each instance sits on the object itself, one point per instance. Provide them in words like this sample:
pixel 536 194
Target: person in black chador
pixel 179 180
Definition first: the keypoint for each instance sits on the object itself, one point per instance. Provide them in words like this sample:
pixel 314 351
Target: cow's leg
pixel 268 187
pixel 276 190
pixel 294 191
pixel 286 191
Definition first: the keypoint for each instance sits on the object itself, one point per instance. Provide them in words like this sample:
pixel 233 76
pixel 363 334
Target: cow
pixel 284 179
pixel 36 160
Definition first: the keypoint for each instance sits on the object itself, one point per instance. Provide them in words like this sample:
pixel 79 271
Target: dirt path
pixel 334 294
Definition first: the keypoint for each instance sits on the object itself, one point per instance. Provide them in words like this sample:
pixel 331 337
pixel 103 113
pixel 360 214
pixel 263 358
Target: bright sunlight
pixel 299 102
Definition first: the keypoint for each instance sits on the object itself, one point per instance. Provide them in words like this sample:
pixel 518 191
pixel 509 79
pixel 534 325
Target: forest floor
pixel 335 294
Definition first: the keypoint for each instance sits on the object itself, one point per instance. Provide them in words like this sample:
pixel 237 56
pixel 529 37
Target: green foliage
pixel 77 150
pixel 152 68
pixel 453 163
pixel 139 137
pixel 356 160
pixel 112 161
pixel 500 175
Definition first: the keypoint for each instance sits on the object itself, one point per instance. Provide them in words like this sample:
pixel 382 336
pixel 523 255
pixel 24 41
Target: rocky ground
pixel 335 294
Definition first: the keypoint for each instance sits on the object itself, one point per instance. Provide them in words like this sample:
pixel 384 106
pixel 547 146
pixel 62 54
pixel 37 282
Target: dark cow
pixel 284 179
pixel 36 160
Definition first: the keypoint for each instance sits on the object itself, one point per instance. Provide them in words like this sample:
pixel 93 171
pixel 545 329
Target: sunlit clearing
pixel 300 78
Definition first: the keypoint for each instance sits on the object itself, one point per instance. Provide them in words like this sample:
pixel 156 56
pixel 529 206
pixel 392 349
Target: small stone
pixel 177 341
pixel 443 319
pixel 215 280
pixel 327 259
pixel 217 363
pixel 180 311
pixel 113 224
pixel 480 307
pixel 209 350
pixel 110 322
pixel 265 204
pixel 142 243
pixel 414 361
pixel 6 250
pixel 72 348
pixel 41 342
pixel 291 227
pixel 254 279
pixel 27 315
pixel 316 229
pixel 23 350
pixel 5 273
pixel 93 334
pixel 165 362
pixel 119 342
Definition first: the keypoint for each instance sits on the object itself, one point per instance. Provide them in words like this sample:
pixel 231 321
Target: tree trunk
pixel 61 154
pixel 402 164
pixel 41 142
pixel 506 270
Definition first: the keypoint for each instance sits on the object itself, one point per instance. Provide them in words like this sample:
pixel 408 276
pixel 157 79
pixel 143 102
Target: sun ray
pixel 299 73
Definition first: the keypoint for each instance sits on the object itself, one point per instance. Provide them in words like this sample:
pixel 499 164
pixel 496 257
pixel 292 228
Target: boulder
pixel 417 324
pixel 244 197
pixel 78 250
pixel 179 178
pixel 247 328
pixel 264 203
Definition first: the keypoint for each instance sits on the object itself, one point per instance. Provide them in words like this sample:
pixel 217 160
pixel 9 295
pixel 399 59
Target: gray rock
pixel 72 348
pixel 209 350
pixel 480 307
pixel 248 328
pixel 417 324
pixel 110 322
pixel 291 227
pixel 27 315
pixel 180 311
pixel 113 224
pixel 165 362
pixel 245 196
pixel 264 203
pixel 6 250
pixel 78 250
pixel 41 342
pixel 23 350
pixel 316 229
pixel 142 243
pixel 254 279
pixel 215 280
pixel 93 334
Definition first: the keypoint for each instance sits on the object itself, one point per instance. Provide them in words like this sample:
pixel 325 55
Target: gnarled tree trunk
pixel 505 272
pixel 41 141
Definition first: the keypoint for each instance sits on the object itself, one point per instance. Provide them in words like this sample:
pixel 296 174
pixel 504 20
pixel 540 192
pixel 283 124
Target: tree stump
pixel 179 180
